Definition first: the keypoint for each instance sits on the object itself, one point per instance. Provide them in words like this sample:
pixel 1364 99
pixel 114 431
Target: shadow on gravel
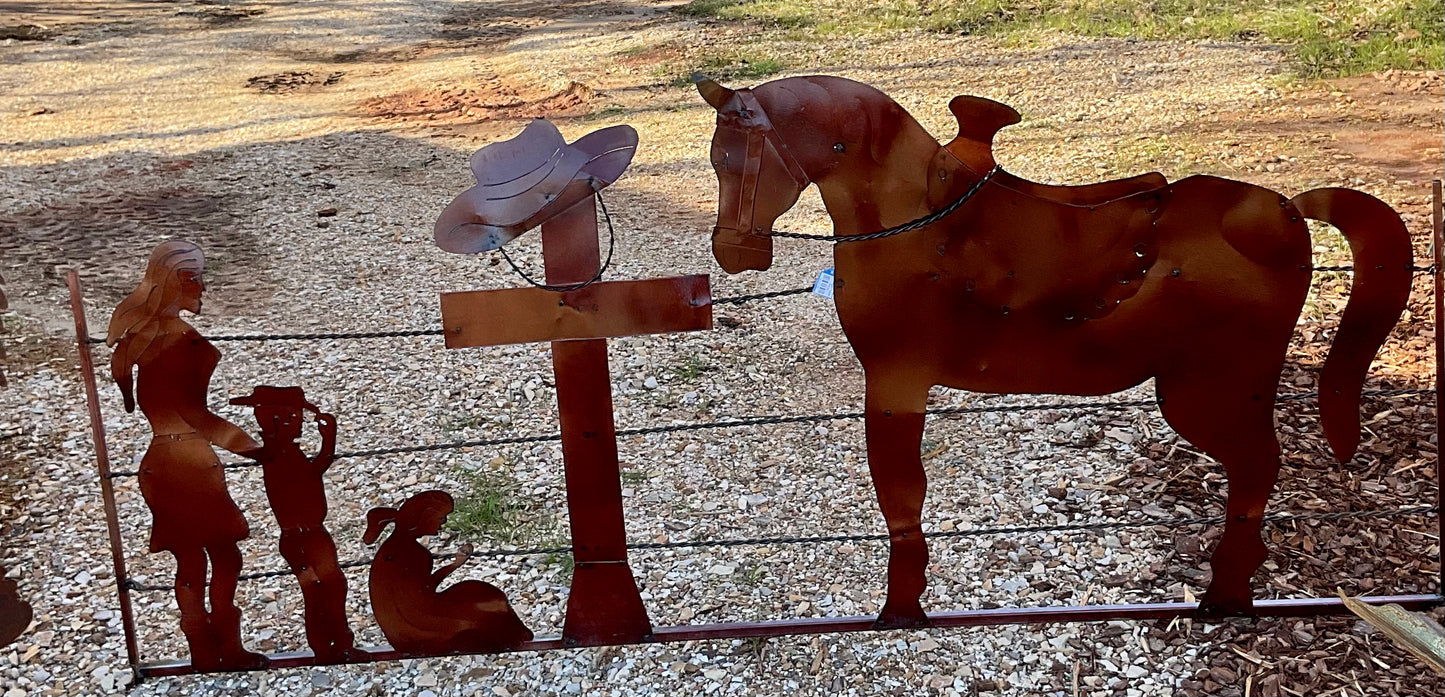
pixel 104 215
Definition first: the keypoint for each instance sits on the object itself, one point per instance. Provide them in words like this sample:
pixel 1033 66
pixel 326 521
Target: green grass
pixel 492 509
pixel 724 67
pixel 690 369
pixel 452 424
pixel 1325 39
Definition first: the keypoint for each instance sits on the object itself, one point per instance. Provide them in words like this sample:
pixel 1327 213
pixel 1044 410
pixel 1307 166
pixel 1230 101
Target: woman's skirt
pixel 185 487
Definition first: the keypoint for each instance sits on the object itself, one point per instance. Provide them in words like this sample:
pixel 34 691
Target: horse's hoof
pixel 1210 606
pixel 245 660
pixel 346 655
pixel 889 619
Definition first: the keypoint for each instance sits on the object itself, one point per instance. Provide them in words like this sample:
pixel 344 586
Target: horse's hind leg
pixel 1232 419
pixel 894 421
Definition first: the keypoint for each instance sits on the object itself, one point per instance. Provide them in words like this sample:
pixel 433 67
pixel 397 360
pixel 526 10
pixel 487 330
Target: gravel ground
pixel 142 121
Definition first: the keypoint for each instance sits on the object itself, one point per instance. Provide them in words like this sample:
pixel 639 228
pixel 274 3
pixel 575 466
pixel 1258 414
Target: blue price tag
pixel 824 285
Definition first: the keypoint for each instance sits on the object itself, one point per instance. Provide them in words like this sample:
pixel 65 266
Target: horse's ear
pixel 978 120
pixel 713 93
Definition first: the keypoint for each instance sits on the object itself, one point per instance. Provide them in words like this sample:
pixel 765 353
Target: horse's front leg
pixel 894 414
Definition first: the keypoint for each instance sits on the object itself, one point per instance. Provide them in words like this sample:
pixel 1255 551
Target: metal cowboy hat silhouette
pixel 524 181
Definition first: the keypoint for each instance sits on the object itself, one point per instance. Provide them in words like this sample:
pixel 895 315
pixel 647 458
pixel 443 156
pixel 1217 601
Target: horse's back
pixel 1258 224
pixel 1084 194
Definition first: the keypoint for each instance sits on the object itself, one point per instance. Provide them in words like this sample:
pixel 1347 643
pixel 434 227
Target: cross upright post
pixel 604 606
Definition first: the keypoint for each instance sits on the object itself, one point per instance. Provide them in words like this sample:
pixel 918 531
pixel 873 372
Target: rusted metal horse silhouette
pixel 1030 288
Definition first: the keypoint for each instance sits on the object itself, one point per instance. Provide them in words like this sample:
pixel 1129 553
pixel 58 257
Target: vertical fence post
pixel 1437 241
pixel 102 464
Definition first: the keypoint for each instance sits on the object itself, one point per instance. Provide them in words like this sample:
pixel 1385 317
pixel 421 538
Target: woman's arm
pixel 194 375
pixel 440 574
pixel 122 370
pixel 219 431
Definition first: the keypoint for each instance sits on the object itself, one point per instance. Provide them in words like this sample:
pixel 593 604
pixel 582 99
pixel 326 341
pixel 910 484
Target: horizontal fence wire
pixel 1277 518
pixel 789 419
pixel 733 300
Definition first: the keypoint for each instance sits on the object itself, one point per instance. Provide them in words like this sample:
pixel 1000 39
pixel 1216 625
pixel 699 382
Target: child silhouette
pixel 298 500
pixel 468 617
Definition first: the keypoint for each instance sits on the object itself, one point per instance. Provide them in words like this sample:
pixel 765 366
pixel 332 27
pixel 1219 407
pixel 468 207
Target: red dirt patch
pixel 1406 142
pixel 1405 154
pixel 653 55
pixel 494 100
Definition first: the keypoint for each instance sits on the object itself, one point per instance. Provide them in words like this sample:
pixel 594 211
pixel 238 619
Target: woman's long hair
pixel 132 326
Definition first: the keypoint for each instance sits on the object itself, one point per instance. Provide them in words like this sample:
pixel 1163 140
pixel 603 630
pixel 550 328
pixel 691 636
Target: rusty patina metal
pixel 596 311
pixel 194 517
pixel 417 619
pixel 297 495
pixel 604 605
pixel 15 613
pixel 4 305
pixel 1031 288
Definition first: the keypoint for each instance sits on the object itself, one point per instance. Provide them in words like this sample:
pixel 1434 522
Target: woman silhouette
pixel 194 517
pixel 469 617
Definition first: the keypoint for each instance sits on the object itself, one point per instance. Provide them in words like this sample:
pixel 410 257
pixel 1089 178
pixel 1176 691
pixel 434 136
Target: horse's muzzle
pixel 737 251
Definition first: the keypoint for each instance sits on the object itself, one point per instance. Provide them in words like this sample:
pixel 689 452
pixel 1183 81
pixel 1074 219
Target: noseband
pixel 754 121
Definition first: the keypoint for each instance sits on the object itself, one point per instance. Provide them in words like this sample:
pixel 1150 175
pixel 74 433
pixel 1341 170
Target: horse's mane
pixel 870 114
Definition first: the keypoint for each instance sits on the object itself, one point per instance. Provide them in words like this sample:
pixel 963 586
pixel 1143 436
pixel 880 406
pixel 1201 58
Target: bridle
pixel 752 120
pixel 760 133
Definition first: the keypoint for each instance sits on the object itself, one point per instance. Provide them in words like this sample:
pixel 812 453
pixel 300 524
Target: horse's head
pixel 775 140
pixel 759 179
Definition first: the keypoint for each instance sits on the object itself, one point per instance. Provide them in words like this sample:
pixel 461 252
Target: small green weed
pixel 690 369
pixel 493 509
pixel 452 424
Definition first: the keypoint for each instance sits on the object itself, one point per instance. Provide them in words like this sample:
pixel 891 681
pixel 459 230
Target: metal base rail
pixel 1286 607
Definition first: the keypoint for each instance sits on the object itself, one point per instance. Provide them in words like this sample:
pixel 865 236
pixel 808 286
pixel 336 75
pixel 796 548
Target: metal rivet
pixel 942 175
pixel 1175 273
pixel 933 276
pixel 1140 249
pixel 1381 267
pixel 1010 274
pixel 1069 317
pixel 888 412
pixel 1004 309
pixel 838 147
pixel 1099 303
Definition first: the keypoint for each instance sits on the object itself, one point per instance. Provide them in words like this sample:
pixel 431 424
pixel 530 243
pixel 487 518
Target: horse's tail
pixel 1383 255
